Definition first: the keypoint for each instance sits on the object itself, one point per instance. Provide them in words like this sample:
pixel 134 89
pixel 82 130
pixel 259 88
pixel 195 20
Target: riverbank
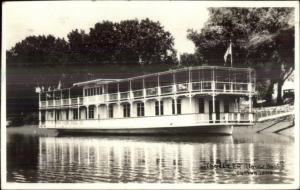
pixel 281 126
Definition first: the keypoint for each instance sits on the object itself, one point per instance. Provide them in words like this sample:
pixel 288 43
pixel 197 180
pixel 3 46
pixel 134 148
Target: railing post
pixel 131 108
pixel 226 117
pixel 213 111
pixel 251 117
pixel 130 91
pixel 174 89
pixel 175 104
pixel 119 110
pixel 190 101
pixel 144 93
pixel 40 118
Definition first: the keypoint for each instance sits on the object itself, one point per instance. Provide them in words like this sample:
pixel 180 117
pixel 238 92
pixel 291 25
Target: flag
pixel 37 89
pixel 59 85
pixel 228 52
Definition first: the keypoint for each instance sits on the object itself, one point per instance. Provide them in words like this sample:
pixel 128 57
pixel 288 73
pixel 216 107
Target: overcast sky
pixel 22 19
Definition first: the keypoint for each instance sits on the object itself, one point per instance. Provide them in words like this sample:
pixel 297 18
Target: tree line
pixel 125 42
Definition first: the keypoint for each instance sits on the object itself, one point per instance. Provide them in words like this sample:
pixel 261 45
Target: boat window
pixel 67 114
pixel 201 105
pixel 173 107
pixel 126 110
pixel 111 111
pixel 75 114
pixel 161 108
pixel 91 112
pixel 156 108
pixel 179 106
pixel 140 109
pixel 57 115
pixel 226 106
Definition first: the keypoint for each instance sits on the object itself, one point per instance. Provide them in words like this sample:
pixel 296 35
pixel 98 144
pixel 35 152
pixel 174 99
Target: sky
pixel 22 19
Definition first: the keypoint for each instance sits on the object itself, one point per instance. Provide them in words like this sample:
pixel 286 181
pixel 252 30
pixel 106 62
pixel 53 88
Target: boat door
pixel 217 111
pixel 43 116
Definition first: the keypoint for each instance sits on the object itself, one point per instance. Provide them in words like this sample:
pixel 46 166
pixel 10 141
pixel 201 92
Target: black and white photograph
pixel 150 95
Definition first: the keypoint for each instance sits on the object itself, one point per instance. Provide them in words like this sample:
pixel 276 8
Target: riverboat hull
pixel 191 130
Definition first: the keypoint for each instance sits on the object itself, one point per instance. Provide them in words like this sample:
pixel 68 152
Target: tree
pixel 278 55
pixel 78 46
pixel 188 59
pixel 262 38
pixel 38 49
pixel 155 44
pixel 128 42
pixel 103 42
pixel 131 42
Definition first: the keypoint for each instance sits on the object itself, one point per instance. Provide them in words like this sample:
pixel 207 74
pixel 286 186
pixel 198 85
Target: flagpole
pixel 231 52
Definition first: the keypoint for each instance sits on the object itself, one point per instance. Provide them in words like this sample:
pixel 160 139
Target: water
pixel 165 159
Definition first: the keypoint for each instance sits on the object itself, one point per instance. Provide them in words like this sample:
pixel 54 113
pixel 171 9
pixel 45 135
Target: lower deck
pixel 198 113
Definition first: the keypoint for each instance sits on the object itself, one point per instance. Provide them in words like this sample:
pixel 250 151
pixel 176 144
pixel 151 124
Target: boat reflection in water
pixel 156 159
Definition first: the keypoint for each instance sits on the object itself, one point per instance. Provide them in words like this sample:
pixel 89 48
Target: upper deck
pixel 185 81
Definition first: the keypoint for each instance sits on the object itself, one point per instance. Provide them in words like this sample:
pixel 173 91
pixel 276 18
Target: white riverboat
pixel 196 100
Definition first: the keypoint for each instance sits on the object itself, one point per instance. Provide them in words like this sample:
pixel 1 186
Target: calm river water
pixel 241 158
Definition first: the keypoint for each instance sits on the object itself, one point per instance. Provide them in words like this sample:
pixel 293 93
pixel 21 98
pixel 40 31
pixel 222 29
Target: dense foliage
pixel 262 38
pixel 126 42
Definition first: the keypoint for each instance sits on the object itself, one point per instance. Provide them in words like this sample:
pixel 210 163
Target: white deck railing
pixel 179 88
pixel 152 91
pixel 265 113
pixel 138 93
pixel 124 95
